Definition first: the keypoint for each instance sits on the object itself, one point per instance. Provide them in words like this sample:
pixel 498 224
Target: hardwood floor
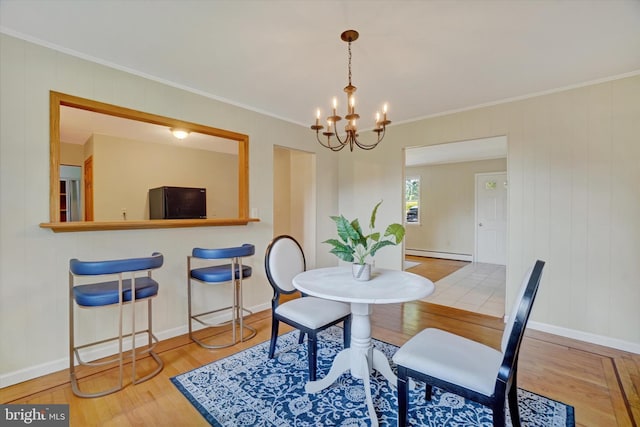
pixel 435 268
pixel 601 383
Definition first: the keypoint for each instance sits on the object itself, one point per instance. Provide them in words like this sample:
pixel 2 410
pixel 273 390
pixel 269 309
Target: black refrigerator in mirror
pixel 177 203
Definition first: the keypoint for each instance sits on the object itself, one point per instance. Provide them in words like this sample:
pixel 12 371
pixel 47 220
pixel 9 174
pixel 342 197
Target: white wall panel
pixel 573 170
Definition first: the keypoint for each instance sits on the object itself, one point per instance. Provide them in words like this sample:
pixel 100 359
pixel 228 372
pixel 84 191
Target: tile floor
pixel 475 287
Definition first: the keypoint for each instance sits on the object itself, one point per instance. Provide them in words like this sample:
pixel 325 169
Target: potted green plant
pixel 354 246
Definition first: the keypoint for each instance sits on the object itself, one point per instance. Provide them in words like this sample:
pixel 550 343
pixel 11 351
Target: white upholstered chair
pixel 467 368
pixel 284 259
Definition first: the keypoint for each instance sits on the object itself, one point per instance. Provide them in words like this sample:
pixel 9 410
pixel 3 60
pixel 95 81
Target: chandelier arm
pixel 344 141
pixel 328 145
pixel 364 146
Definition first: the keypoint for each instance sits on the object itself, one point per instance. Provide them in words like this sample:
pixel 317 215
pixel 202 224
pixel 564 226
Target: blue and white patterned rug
pixel 249 389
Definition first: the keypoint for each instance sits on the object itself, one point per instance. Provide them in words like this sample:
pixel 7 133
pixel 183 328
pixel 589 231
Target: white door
pixel 491 218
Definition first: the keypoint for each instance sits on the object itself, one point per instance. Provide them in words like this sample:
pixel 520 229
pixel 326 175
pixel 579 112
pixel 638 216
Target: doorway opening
pixel 447 228
pixel 294 198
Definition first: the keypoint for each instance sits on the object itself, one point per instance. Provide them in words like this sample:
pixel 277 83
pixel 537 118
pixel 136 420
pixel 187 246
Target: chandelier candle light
pixel 351 129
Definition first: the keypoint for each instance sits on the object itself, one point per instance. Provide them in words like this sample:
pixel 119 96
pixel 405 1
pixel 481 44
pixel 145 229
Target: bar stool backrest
pixel 246 249
pixel 96 268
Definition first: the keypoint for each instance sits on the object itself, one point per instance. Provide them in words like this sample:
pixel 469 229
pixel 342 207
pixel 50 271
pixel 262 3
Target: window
pixel 412 199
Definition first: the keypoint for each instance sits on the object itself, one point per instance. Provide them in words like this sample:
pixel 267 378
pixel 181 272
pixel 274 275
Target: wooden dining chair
pixel 284 259
pixel 468 368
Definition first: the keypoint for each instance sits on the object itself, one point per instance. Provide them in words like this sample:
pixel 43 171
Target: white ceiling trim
pixel 524 97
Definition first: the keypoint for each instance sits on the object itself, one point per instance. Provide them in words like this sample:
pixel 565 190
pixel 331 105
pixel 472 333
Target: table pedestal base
pixel 361 359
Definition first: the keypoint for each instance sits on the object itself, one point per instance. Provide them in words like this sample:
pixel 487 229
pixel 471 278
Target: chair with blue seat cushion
pixel 466 367
pixel 117 292
pixel 228 269
pixel 284 259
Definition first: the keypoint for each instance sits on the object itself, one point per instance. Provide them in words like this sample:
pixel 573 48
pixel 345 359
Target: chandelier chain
pixel 349 63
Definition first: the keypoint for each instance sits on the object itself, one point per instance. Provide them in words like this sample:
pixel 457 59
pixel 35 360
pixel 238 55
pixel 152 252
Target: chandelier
pixel 351 135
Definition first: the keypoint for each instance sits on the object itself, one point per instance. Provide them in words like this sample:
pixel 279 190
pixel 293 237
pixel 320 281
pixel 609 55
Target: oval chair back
pixel 283 260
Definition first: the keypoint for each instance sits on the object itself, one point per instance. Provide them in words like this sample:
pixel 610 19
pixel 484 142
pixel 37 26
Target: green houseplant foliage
pixel 354 246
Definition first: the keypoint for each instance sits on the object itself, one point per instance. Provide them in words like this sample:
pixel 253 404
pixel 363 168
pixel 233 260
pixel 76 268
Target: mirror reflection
pixel 109 160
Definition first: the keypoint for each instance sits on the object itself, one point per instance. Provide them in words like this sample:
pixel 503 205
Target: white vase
pixel 361 271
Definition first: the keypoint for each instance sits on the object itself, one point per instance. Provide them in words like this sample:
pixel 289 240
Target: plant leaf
pixel 359 238
pixel 345 230
pixel 372 222
pixel 343 252
pixel 334 242
pixel 395 230
pixel 379 245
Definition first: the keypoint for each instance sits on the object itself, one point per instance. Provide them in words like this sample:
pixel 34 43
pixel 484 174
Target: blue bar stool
pixel 233 272
pixel 113 293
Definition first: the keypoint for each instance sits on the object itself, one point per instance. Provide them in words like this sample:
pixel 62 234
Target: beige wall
pixel 33 312
pixel 71 154
pixel 447 206
pixel 573 199
pixel 124 171
pixel 281 192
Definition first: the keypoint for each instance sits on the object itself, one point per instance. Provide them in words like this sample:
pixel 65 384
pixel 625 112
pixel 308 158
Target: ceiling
pixel 285 58
pixel 78 125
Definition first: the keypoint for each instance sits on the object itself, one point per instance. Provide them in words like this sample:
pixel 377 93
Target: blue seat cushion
pixel 106 293
pixel 219 273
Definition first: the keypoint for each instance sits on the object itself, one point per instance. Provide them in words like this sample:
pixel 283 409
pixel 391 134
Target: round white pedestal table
pixel 385 287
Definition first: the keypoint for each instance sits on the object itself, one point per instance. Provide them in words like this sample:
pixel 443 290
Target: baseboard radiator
pixel 442 255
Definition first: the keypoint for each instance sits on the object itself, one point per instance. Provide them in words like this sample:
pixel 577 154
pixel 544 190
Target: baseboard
pixel 586 337
pixel 36 371
pixel 442 255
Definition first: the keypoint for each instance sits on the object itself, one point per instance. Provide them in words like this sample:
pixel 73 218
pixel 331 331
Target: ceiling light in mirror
pixel 180 133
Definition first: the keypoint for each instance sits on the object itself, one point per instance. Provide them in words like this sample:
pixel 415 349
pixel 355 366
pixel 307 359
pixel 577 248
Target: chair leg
pixel 274 336
pixel 301 337
pixel 152 342
pixel 513 405
pixel 498 414
pixel 403 397
pixel 190 319
pixel 313 355
pixel 427 392
pixel 347 332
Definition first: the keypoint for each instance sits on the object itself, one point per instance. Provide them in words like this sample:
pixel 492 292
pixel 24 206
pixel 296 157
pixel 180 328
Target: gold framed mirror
pixel 134 167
